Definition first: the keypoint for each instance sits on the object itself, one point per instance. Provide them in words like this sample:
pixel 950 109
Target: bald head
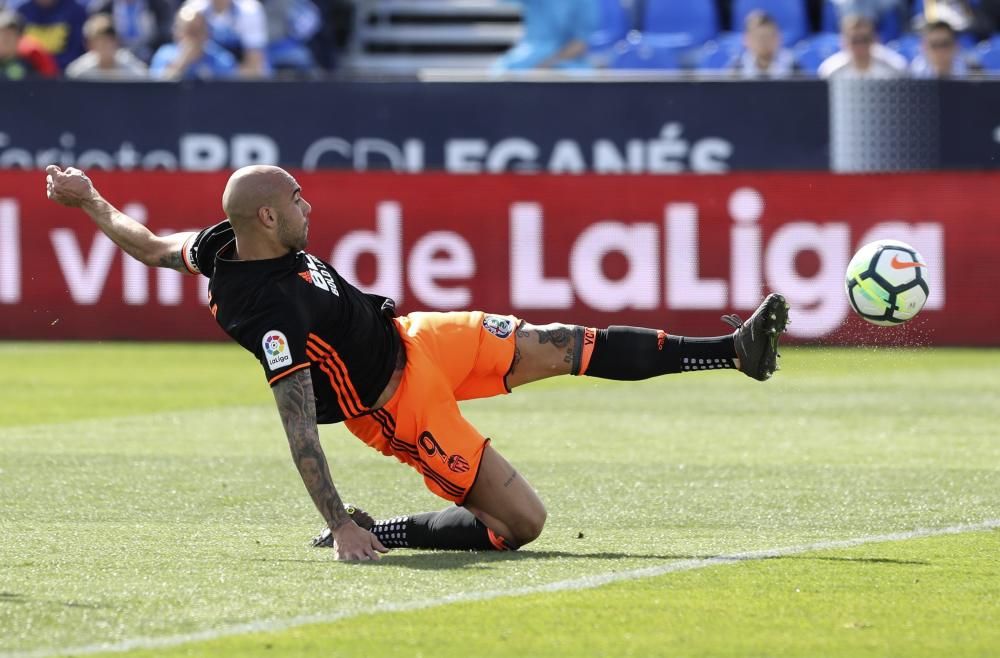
pixel 253 188
pixel 269 216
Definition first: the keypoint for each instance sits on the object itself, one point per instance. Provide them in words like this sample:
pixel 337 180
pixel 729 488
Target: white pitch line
pixel 574 584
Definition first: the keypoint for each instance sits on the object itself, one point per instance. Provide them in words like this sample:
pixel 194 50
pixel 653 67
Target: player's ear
pixel 267 217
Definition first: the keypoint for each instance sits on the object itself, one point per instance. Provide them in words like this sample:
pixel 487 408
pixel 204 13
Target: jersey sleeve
pixel 198 252
pixel 277 337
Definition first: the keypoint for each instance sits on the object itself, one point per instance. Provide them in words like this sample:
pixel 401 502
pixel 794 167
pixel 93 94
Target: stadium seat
pixel 616 21
pixel 811 52
pixel 907 45
pixel 830 21
pixel 645 54
pixel 695 21
pixel 790 14
pixel 988 54
pixel 890 25
pixel 719 54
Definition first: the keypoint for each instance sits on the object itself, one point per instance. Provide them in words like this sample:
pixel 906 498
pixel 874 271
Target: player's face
pixel 293 221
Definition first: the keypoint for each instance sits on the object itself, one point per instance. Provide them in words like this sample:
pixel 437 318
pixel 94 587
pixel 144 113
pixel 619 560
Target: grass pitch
pixel 148 496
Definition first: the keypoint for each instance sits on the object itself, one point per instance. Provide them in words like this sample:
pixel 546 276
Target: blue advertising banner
pixel 490 127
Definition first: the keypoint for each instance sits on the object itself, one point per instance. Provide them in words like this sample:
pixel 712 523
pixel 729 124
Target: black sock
pixel 452 529
pixel 633 353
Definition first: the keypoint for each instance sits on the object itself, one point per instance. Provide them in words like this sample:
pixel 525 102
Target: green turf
pixel 925 597
pixel 147 491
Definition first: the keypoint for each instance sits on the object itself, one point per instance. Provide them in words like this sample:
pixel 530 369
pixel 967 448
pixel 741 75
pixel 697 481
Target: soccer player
pixel 334 354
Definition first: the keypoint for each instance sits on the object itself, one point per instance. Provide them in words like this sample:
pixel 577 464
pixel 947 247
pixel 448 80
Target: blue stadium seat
pixel 790 14
pixel 645 54
pixel 830 21
pixel 907 45
pixel 890 25
pixel 811 52
pixel 615 23
pixel 697 19
pixel 719 54
pixel 988 54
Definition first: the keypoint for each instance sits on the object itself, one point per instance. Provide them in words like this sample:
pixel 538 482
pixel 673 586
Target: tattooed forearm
pixel 297 406
pixel 172 260
pixel 559 336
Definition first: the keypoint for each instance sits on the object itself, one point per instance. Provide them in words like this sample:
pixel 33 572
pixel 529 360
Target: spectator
pixel 239 26
pixel 290 25
pixel 105 59
pixel 142 26
pixel 13 66
pixel 555 35
pixel 44 64
pixel 57 25
pixel 939 54
pixel 861 56
pixel 763 56
pixel 29 51
pixel 192 55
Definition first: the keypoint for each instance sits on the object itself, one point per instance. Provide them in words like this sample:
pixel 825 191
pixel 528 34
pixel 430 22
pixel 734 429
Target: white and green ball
pixel 886 282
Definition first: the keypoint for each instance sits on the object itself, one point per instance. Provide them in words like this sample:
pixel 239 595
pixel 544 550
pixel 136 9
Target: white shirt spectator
pixel 242 24
pixel 921 68
pixel 885 64
pixel 782 66
pixel 127 67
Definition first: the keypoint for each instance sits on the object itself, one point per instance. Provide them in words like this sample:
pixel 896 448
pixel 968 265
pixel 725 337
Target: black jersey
pixel 297 312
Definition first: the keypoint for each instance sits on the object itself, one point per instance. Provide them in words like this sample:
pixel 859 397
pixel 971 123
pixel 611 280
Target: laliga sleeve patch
pixel 498 325
pixel 276 350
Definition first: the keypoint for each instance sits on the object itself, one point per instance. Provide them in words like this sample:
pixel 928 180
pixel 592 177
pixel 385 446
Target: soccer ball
pixel 886 282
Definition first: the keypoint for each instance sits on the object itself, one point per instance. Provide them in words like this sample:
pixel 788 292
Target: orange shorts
pixel 449 357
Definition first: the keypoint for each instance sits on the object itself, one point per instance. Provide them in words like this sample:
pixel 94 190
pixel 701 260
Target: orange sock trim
pixel 499 543
pixel 589 340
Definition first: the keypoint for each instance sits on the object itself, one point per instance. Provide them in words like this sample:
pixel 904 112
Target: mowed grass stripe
pixel 58 382
pixel 833 598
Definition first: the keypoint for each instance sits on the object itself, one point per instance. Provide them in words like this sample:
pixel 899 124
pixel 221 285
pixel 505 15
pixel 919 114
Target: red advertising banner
pixel 666 252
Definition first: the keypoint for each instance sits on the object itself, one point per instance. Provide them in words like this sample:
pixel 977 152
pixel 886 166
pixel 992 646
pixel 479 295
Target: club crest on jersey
pixel 498 325
pixel 319 275
pixel 276 350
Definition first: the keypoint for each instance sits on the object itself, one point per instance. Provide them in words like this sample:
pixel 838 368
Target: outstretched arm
pixel 297 407
pixel 74 189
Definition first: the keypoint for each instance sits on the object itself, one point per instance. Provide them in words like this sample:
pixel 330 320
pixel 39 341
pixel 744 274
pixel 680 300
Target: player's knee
pixel 529 526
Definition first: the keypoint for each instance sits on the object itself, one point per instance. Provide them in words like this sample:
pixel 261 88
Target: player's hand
pixel 70 188
pixel 351 542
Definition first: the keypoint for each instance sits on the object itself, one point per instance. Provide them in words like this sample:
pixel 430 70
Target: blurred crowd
pixel 161 40
pixel 763 39
pixel 258 39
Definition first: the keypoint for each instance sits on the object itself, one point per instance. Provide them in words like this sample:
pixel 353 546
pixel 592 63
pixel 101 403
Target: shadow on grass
pixel 13 597
pixel 861 560
pixel 448 560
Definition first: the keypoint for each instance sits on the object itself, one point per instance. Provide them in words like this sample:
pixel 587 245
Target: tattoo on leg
pixel 510 479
